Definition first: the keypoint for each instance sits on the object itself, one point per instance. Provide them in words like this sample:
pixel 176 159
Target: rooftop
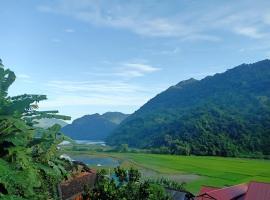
pixel 247 191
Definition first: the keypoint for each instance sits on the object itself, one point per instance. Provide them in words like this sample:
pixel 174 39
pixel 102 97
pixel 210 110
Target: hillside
pixel 48 122
pixel 226 114
pixel 94 127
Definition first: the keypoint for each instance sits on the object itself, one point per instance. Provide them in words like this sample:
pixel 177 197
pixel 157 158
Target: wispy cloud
pixel 23 76
pixel 56 40
pixel 141 67
pixel 132 70
pixel 111 87
pixel 101 93
pixel 69 30
pixel 126 70
pixel 101 86
pixel 186 23
pixel 165 51
pixel 97 100
pixel 251 32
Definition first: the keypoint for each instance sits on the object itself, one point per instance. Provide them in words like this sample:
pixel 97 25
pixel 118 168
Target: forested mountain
pixel 226 114
pixel 94 127
pixel 47 122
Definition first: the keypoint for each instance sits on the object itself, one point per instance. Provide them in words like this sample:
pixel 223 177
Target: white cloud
pixel 247 18
pixel 126 70
pixel 251 32
pixel 141 67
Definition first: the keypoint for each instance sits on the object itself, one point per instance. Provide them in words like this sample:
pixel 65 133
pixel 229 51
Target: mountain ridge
pixel 220 106
pixel 93 127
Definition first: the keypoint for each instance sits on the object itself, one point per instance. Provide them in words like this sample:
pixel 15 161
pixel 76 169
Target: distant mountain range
pixel 48 122
pixel 94 127
pixel 226 114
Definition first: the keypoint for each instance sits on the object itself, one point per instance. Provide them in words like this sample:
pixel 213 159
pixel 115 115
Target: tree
pixel 125 186
pixel 29 167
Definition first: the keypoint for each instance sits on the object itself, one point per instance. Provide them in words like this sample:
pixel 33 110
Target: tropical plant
pixel 126 185
pixel 29 167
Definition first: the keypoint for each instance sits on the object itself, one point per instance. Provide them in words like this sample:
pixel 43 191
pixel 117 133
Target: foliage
pixel 199 170
pixel 122 148
pixel 227 114
pixel 125 186
pixel 29 166
pixel 170 184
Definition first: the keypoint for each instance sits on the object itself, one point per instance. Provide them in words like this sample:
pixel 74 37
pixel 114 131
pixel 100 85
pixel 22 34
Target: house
pixel 247 191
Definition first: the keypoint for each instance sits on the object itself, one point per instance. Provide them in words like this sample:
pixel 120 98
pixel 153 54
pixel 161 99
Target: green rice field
pixel 212 171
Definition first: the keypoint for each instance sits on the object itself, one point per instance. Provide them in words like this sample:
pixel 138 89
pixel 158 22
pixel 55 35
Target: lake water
pixel 96 161
pixel 89 142
pixel 91 160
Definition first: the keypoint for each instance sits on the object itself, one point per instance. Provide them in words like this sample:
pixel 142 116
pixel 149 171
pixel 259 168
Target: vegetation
pixel 93 127
pixel 125 186
pixel 227 114
pixel 197 170
pixel 29 167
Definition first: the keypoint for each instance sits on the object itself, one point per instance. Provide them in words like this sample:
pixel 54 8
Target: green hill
pixel 226 114
pixel 48 122
pixel 94 127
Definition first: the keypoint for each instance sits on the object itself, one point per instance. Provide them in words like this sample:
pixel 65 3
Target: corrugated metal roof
pixel 258 190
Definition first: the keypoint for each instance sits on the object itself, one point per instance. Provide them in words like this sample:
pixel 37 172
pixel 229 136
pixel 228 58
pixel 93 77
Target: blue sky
pixel 93 56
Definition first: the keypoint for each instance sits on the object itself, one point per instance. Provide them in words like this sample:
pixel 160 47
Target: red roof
pixel 226 193
pixel 258 190
pixel 205 189
pixel 251 191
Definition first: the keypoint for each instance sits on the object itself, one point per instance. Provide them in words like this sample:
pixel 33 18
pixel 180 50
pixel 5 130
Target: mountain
pixel 48 122
pixel 94 127
pixel 226 114
pixel 115 117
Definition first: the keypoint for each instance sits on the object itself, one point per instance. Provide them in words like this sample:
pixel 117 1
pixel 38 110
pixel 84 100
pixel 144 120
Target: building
pixel 248 191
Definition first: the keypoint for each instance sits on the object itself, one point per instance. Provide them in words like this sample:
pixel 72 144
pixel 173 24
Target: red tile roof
pixel 228 193
pixel 252 191
pixel 205 189
pixel 257 190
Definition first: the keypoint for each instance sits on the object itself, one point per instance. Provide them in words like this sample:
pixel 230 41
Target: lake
pixel 88 142
pixel 94 161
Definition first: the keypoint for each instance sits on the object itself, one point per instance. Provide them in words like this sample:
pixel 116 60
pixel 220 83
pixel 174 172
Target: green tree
pixel 29 167
pixel 125 186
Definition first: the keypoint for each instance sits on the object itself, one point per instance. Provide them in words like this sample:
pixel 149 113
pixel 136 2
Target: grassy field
pixel 212 171
pixel 195 170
